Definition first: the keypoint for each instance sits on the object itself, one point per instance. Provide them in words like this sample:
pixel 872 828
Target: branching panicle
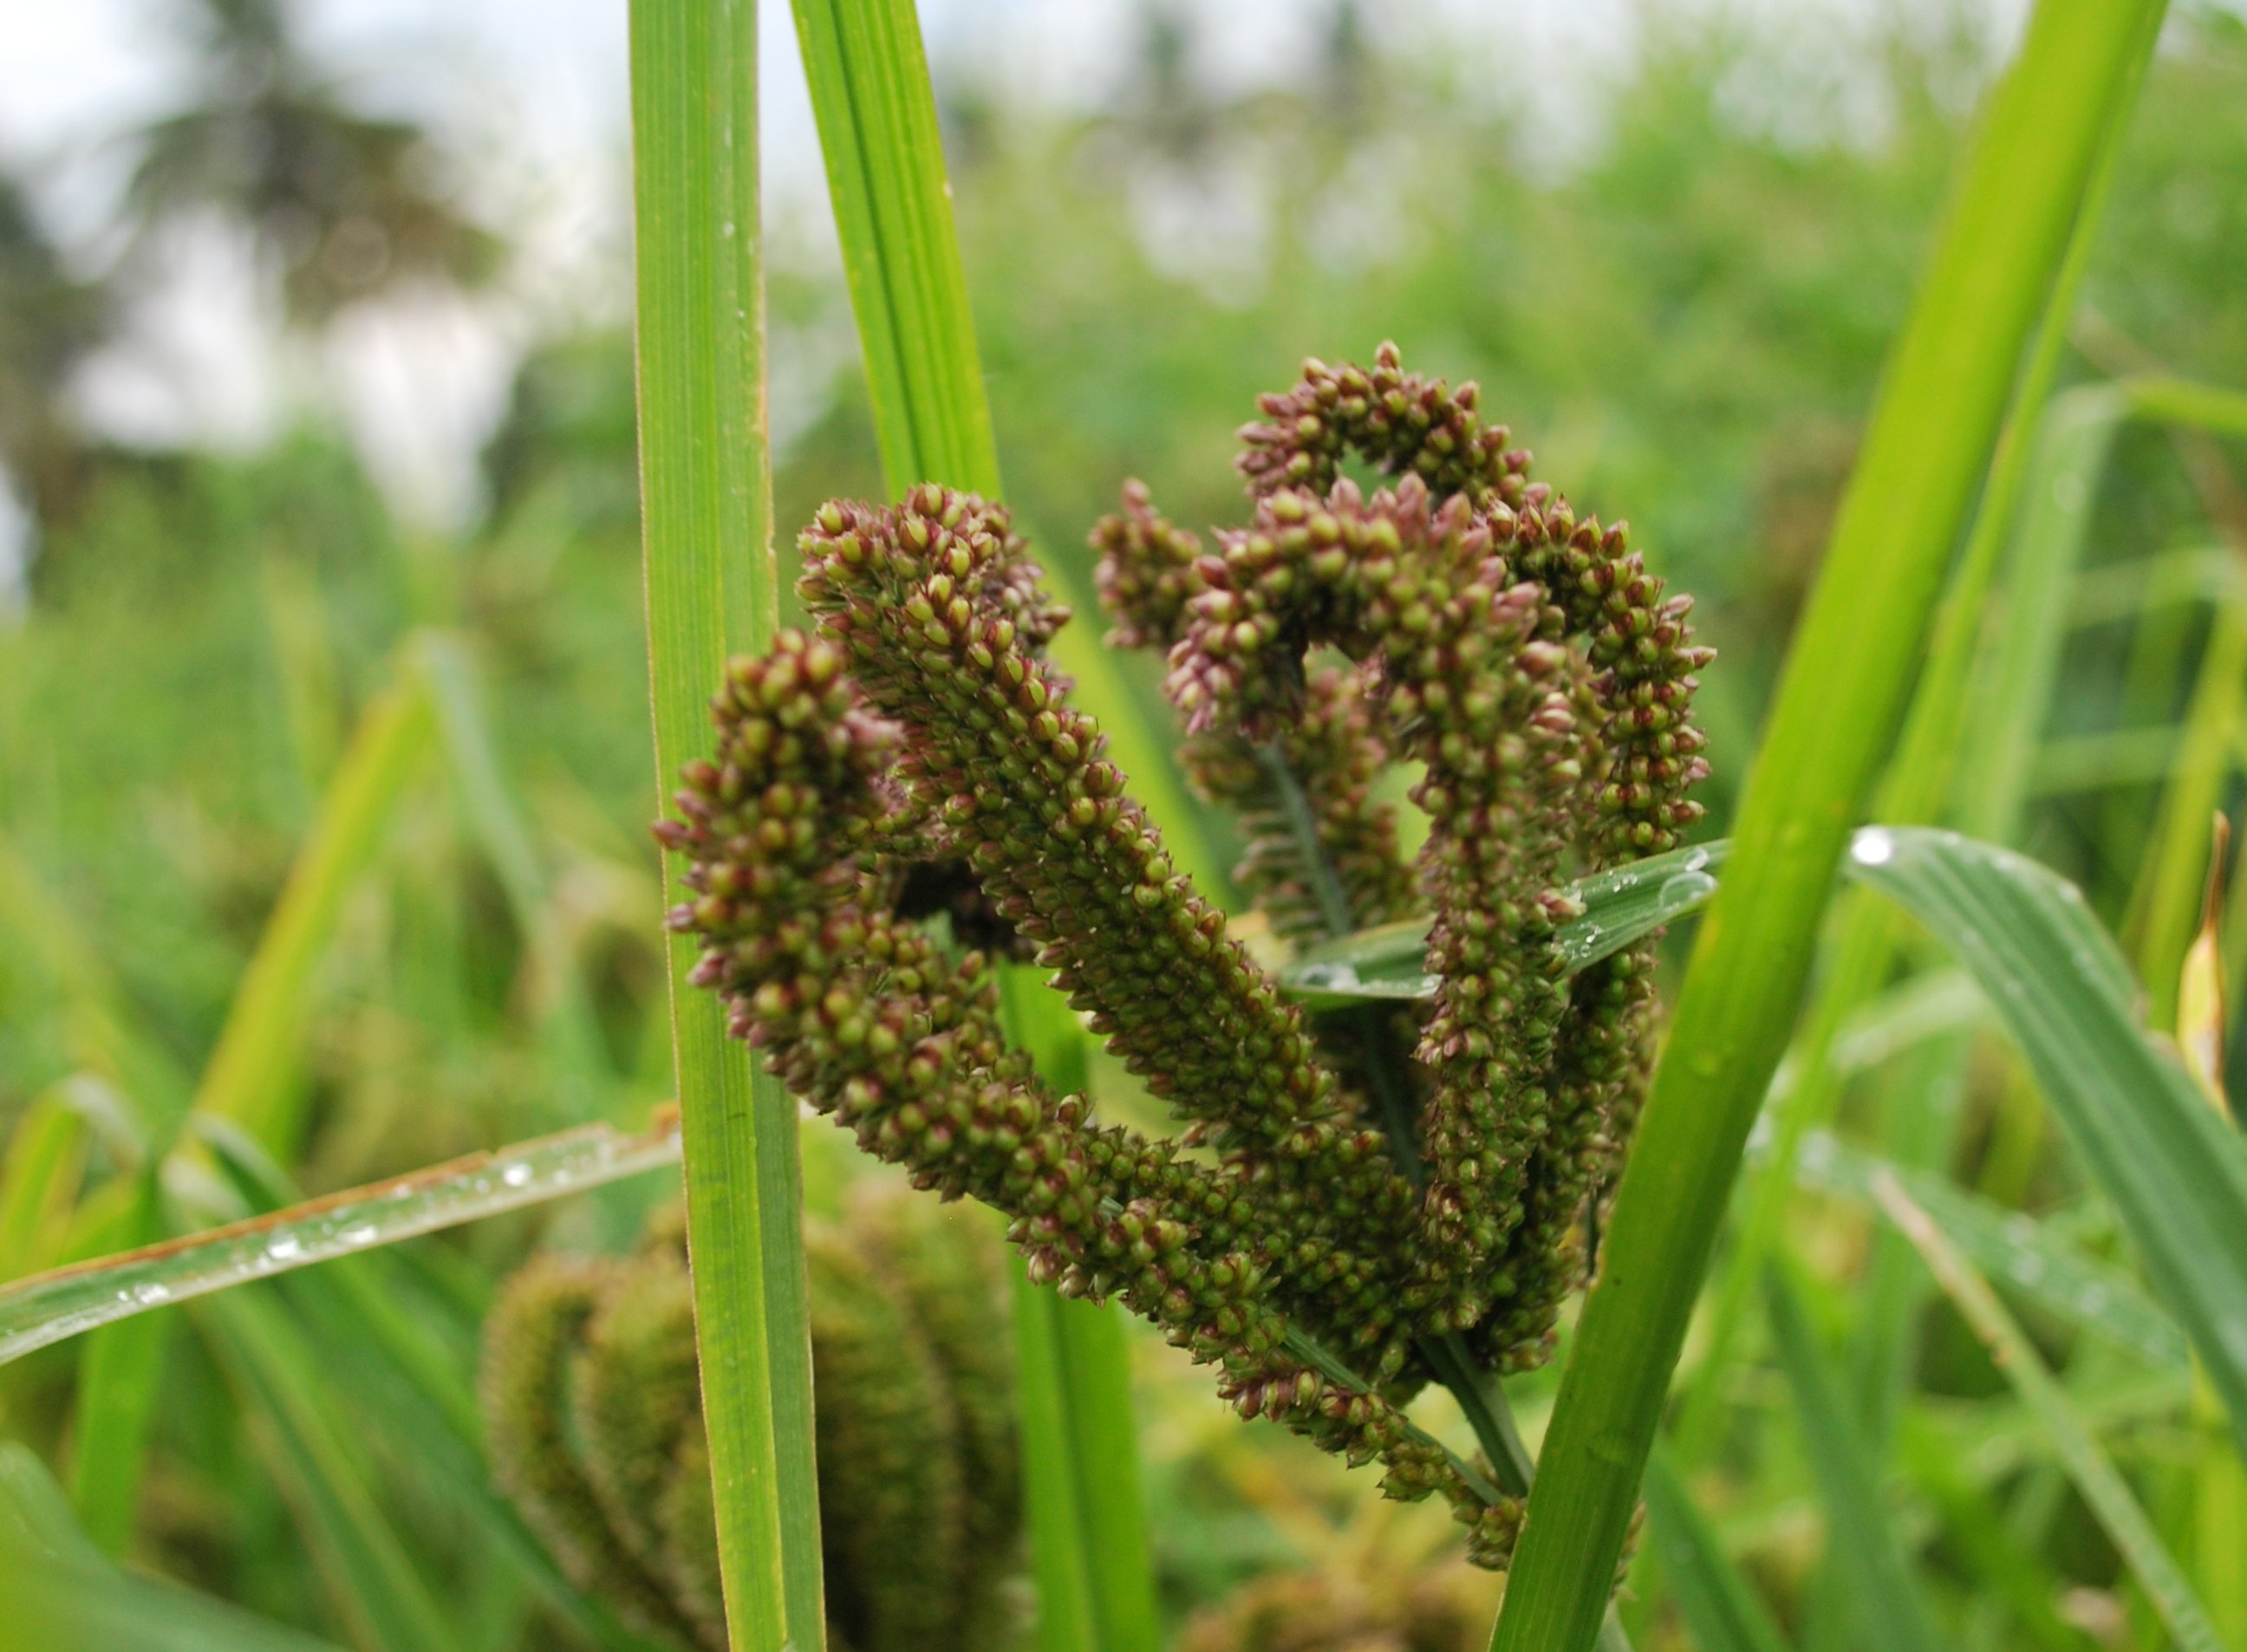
pixel 1369 1199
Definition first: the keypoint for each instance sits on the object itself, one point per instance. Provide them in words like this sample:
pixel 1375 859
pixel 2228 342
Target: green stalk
pixel 2167 901
pixel 1926 452
pixel 120 1375
pixel 1914 788
pixel 251 1077
pixel 2103 1489
pixel 39 1178
pixel 1860 1535
pixel 712 590
pixel 1081 1468
pixel 877 130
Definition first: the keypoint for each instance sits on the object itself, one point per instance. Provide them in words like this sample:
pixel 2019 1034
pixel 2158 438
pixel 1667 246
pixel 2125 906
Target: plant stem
pixel 712 587
pixel 1388 1076
pixel 877 131
pixel 1925 455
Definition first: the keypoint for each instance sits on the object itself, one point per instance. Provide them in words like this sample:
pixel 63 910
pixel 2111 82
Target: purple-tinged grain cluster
pixel 1376 1183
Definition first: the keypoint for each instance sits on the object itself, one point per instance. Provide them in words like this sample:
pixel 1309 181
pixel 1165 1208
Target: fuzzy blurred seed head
pixel 593 1409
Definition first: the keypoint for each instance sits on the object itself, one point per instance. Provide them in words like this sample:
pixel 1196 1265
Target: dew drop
pixel 150 1294
pixel 1872 847
pixel 516 1176
pixel 358 1233
pixel 284 1247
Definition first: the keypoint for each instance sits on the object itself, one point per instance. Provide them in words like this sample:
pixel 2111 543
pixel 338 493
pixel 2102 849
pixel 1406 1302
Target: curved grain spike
pixel 528 1338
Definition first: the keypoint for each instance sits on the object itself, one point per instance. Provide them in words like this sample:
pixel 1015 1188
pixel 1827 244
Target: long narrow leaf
pixel 1622 904
pixel 1859 1536
pixel 1060 1558
pixel 712 589
pixel 2103 1487
pixel 377 1347
pixel 2089 1294
pixel 312 1453
pixel 1081 1464
pixel 877 130
pixel 115 1410
pixel 48 1308
pixel 60 1593
pixel 577 1063
pixel 2029 525
pixel 1718 1607
pixel 2175 1169
pixel 2009 1578
pixel 251 1077
pixel 1924 455
pixel 2165 903
pixel 38 1183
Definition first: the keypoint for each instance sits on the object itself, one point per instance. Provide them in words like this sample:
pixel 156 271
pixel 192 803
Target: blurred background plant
pixel 1676 269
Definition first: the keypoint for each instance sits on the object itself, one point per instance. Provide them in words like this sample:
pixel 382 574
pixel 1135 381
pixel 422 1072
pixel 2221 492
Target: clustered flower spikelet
pixel 1369 1192
pixel 593 1409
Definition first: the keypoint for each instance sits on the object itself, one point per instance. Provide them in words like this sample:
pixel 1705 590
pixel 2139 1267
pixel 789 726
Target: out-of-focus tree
pixel 50 320
pixel 343 205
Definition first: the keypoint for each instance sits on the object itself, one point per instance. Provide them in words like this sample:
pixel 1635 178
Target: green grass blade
pixel 1623 905
pixel 2008 1577
pixel 877 130
pixel 2186 577
pixel 1951 709
pixel 2175 1169
pixel 1061 1561
pixel 2104 1489
pixel 1080 1464
pixel 114 1413
pixel 1859 1537
pixel 312 1451
pixel 390 1358
pixel 39 1179
pixel 102 1033
pixel 2183 401
pixel 576 1061
pixel 712 590
pixel 1720 1610
pixel 1103 1438
pixel 2165 906
pixel 251 1076
pixel 2069 458
pixel 60 1593
pixel 50 1307
pixel 2080 1289
pixel 1925 454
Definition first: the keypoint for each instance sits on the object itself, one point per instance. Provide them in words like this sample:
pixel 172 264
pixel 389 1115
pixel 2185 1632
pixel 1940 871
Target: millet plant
pixel 1412 1194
